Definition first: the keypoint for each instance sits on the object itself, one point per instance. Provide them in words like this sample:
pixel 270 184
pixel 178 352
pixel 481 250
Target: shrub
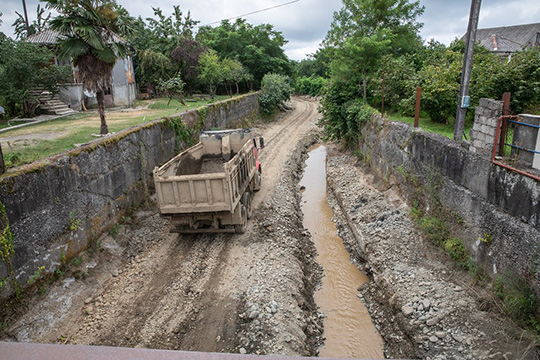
pixel 519 300
pixel 275 90
pixel 313 85
pixel 343 114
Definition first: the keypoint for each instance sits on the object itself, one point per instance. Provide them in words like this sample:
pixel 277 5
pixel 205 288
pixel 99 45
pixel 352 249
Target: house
pixel 506 40
pixel 121 93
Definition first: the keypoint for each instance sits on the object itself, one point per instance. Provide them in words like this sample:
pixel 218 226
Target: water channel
pixel 348 329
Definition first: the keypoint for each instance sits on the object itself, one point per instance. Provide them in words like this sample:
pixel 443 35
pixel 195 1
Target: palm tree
pixel 88 35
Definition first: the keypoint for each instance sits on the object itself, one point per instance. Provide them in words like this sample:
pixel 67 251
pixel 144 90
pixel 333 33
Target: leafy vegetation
pixel 258 48
pixel 275 91
pixel 520 302
pixel 25 67
pixel 90 39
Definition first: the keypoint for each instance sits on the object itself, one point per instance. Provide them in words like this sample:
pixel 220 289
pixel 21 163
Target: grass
pixel 35 142
pixel 433 127
pixel 4 124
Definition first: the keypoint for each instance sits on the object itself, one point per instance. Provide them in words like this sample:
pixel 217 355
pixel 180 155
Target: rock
pixel 243 351
pixel 433 321
pixel 426 303
pixel 433 339
pixel 88 300
pixel 89 310
pixel 440 334
pixel 407 310
pixel 254 314
pixel 115 273
pixel 457 338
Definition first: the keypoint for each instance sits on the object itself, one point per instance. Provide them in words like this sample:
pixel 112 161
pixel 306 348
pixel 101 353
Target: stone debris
pixel 418 298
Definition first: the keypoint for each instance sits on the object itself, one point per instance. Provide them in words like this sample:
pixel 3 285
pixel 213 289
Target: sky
pixel 305 23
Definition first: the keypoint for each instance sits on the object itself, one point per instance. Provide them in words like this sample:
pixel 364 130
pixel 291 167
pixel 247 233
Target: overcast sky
pixel 305 23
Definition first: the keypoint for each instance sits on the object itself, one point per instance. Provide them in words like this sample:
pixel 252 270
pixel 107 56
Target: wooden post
pixel 2 163
pixel 417 109
pixel 504 126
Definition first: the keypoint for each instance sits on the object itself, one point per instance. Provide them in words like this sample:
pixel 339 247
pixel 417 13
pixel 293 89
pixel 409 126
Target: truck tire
pixel 241 228
pixel 257 180
pixel 246 200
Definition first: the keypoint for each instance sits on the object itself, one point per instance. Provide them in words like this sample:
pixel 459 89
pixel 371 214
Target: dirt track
pixel 214 293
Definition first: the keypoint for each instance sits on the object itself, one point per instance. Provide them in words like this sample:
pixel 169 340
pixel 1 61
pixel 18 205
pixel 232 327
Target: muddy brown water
pixel 348 328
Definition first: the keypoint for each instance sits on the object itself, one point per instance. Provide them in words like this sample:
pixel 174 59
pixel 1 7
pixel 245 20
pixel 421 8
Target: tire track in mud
pixel 194 292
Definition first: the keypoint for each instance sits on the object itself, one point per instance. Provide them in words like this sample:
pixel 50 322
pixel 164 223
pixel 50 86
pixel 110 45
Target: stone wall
pixel 488 202
pixel 57 207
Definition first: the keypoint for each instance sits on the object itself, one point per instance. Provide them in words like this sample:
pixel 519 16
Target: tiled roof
pixel 509 38
pixel 46 37
pixel 50 37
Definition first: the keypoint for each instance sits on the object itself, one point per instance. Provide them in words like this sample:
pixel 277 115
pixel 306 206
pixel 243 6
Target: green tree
pixel 173 89
pixel 186 57
pixel 25 67
pixel 89 29
pixel 210 70
pixel 259 48
pixel 41 23
pixel 275 90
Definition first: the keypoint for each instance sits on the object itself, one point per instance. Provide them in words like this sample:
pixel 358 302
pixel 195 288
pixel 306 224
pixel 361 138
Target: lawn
pixel 427 125
pixel 34 142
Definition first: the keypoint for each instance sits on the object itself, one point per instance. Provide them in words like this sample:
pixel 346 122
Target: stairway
pixel 51 103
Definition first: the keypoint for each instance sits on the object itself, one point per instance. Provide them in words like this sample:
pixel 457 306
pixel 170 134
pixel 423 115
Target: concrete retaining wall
pixel 56 208
pixel 491 201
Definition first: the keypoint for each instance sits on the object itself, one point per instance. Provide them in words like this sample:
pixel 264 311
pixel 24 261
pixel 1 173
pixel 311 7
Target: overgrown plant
pixel 519 300
pixel 275 91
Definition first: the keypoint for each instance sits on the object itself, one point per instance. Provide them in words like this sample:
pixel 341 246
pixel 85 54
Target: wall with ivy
pixel 52 210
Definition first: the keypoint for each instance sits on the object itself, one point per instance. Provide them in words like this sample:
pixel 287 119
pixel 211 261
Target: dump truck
pixel 210 186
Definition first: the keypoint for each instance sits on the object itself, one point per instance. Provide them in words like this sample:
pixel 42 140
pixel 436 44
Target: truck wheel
pixel 241 228
pixel 257 180
pixel 246 200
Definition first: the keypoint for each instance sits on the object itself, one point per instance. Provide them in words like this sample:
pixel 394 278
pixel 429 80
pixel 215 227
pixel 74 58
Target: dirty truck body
pixel 209 187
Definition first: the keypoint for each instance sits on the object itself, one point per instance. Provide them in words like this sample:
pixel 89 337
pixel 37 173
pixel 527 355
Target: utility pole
pixel 26 18
pixel 463 101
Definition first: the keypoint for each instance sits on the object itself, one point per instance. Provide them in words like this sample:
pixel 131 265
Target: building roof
pixel 51 37
pixel 45 37
pixel 509 39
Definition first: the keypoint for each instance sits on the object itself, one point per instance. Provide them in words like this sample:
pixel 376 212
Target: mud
pixel 144 287
pixel 348 330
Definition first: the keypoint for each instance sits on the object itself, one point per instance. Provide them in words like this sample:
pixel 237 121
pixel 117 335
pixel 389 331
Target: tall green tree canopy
pixel 259 48
pixel 89 31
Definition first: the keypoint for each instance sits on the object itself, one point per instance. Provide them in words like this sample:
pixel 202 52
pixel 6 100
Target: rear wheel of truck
pixel 241 228
pixel 246 200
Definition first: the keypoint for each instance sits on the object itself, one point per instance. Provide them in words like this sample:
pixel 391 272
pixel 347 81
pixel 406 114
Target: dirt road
pixel 147 288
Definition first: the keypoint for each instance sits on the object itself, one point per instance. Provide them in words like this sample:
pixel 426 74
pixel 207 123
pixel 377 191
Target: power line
pixel 251 13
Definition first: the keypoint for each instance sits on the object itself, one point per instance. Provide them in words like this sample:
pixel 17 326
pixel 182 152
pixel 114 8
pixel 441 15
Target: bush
pixel 343 114
pixel 519 300
pixel 313 85
pixel 275 90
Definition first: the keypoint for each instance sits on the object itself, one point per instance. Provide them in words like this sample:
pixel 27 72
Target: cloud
pixel 306 22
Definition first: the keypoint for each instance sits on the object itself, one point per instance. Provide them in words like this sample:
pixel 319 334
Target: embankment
pixel 56 208
pixel 494 211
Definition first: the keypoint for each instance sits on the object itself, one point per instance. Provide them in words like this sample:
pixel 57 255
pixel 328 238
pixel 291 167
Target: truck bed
pixel 209 177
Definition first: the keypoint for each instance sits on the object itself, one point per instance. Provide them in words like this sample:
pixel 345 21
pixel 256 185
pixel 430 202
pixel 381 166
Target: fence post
pixel 504 127
pixel 417 109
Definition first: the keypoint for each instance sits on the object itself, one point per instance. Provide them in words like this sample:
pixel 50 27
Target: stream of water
pixel 348 329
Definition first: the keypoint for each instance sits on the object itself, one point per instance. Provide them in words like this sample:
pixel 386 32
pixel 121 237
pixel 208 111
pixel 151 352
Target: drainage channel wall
pixel 56 208
pixel 494 211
